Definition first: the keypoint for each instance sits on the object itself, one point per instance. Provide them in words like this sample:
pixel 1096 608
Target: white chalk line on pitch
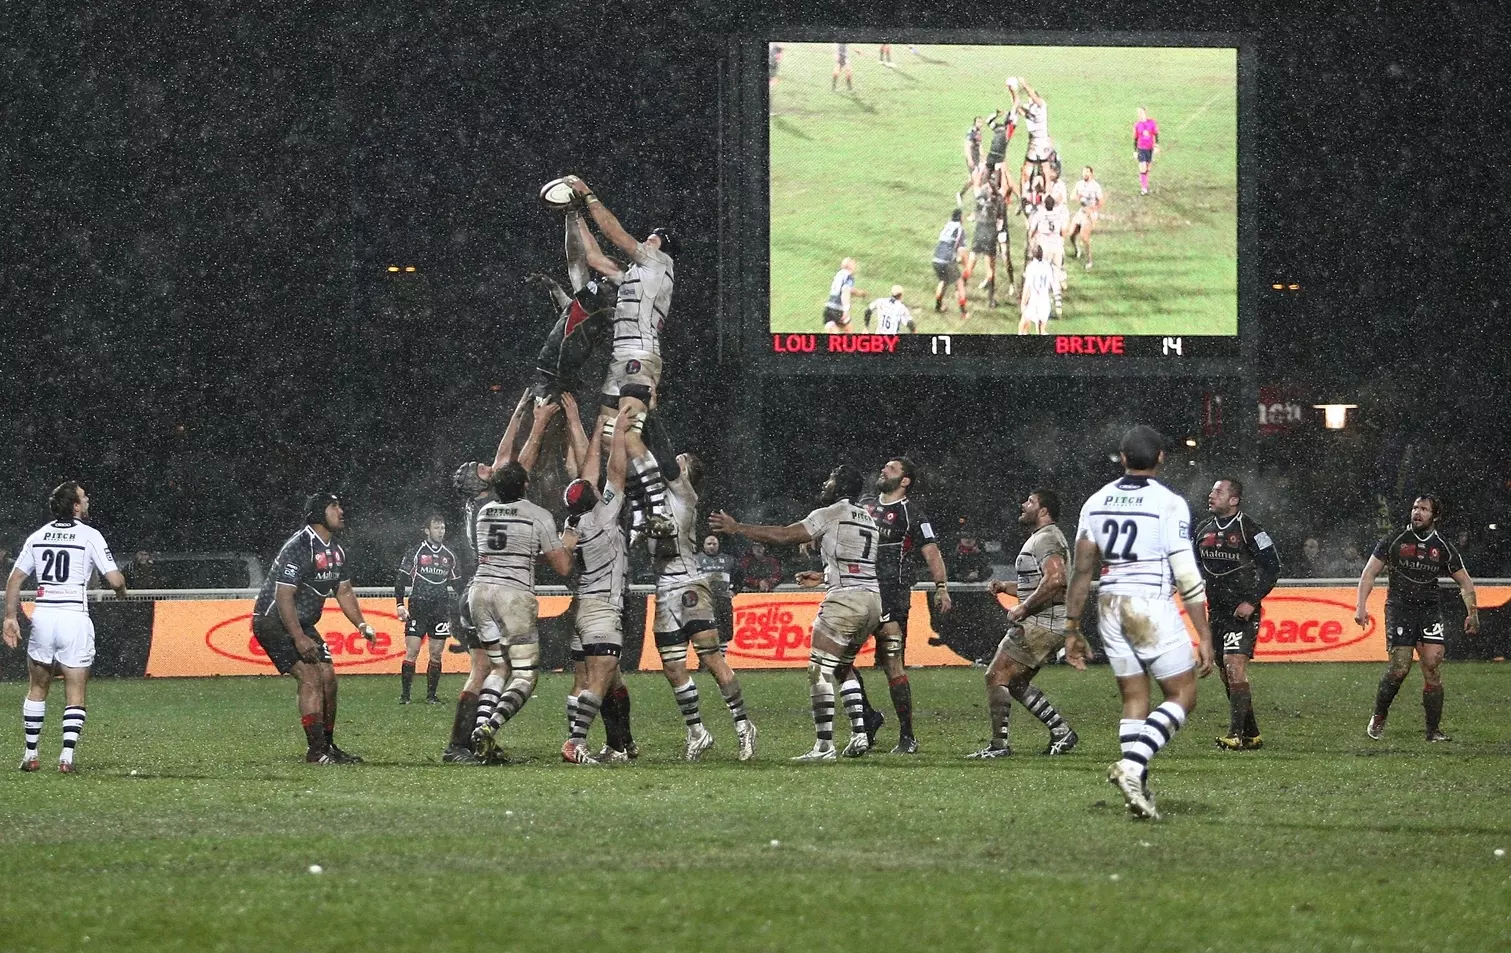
pixel 1198 114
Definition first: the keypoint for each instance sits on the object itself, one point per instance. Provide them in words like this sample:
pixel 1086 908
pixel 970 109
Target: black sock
pixel 406 678
pixel 1240 710
pixel 432 678
pixel 902 701
pixel 1432 705
pixel 1386 694
pixel 466 714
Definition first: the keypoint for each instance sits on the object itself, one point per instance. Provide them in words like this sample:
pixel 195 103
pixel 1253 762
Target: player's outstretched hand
pixel 722 523
pixel 578 185
pixel 810 578
pixel 1361 616
pixel 544 413
pixel 942 601
pixel 12 633
pixel 524 401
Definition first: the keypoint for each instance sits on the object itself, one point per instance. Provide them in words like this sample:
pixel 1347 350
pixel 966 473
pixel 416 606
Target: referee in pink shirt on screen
pixel 1145 146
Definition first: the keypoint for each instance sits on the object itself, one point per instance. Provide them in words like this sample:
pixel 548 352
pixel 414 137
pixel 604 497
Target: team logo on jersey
pixel 632 367
pixel 1185 530
pixel 1232 539
pixel 891 517
pixel 1407 549
pixel 290 571
pixel 425 560
pixel 1432 553
pixel 322 561
pixel 689 599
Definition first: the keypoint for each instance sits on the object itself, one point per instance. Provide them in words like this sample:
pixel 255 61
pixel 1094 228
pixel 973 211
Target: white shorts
pixel 503 613
pixel 1139 633
pixel 629 369
pixel 597 623
pixel 848 616
pixel 61 636
pixel 1037 311
pixel 1039 150
pixel 684 612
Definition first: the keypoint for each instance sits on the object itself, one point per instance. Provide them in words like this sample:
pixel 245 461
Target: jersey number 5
pixel 1129 532
pixel 54 566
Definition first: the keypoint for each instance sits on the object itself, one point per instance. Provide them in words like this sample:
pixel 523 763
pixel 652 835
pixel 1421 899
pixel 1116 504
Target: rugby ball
pixel 557 194
pixel 1011 82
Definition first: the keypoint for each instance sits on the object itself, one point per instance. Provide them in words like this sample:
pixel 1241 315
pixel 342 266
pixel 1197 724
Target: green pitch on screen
pixel 873 175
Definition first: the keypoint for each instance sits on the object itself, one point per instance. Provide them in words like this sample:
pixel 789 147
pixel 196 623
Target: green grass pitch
pixel 873 174
pixel 1325 840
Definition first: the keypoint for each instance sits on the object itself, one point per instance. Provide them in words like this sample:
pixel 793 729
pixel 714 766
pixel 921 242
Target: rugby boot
pixel 30 763
pixel 458 754
pixel 821 751
pixel 1376 727
pixel 1061 742
pixel 992 751
pixel 607 755
pixel 699 740
pixel 747 735
pixel 1436 735
pixel 344 757
pixel 576 752
pixel 68 767
pixel 907 744
pixel 1135 793
pixel 1230 743
pixel 874 720
pixel 1253 743
pixel 857 746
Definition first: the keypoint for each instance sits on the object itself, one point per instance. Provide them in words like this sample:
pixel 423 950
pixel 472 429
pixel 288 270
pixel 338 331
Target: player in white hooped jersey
pixel 847 540
pixel 62 555
pixel 1089 194
pixel 892 316
pixel 510 534
pixel 1041 148
pixel 1139 533
pixel 596 540
pixel 684 611
pixel 1046 230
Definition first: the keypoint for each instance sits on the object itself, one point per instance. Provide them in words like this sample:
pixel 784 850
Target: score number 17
pixel 941 344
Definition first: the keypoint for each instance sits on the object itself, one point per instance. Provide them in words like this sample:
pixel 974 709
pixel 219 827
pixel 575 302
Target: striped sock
pixel 652 484
pixel 822 695
pixel 572 712
pixel 999 701
pixel 1040 708
pixel 73 724
pixel 855 705
pixel 514 697
pixel 735 699
pixel 1128 732
pixel 687 700
pixel 487 699
pixel 1159 728
pixel 583 714
pixel 32 716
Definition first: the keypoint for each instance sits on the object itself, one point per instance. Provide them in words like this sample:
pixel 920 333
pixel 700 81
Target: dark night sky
pixel 198 209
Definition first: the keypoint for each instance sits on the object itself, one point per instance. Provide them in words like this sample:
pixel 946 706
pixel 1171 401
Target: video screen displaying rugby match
pixel 1010 197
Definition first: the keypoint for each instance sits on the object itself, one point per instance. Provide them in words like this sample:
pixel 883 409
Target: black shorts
pixel 984 242
pixel 895 603
pixel 1407 624
pixel 1145 155
pixel 947 271
pixel 432 621
pixel 276 641
pixel 1230 634
pixel 835 316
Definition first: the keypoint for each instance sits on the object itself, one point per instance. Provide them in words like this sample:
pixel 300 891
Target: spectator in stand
pixel 970 563
pixel 1312 565
pixel 759 570
pixel 1350 562
pixel 141 572
pixel 6 562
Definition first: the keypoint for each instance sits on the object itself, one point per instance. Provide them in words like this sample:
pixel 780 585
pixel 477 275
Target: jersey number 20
pixel 54 565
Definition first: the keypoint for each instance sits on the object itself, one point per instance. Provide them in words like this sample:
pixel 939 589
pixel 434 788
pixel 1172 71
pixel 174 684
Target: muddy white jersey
pixel 602 556
pixel 62 555
pixel 676 559
pixel 847 539
pixel 1036 116
pixel 1047 226
pixel 1137 523
pixel 508 537
pixel 1039 280
pixel 645 298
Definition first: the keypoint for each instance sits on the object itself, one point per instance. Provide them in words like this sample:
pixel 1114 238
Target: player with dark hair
pixel 640 311
pixel 62 555
pixel 1089 195
pixel 310 568
pixel 429 573
pixel 947 252
pixel 1415 558
pixel 583 318
pixel 510 533
pixel 472 481
pixel 1139 533
pixel 988 239
pixel 1240 565
pixel 903 533
pixel 851 609
pixel 684 602
pixel 1036 631
pixel 1003 123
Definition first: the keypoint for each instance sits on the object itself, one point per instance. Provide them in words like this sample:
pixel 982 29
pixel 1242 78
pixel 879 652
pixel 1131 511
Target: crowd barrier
pixel 182 633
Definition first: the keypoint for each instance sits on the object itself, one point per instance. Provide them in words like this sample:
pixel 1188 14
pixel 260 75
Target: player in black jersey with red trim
pixel 310 568
pixel 1240 565
pixel 1415 558
pixel 430 573
pixel 905 532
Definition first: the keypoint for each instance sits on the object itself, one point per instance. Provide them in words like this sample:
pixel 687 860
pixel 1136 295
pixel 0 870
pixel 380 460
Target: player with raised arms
pixel 846 536
pixel 684 600
pixel 1041 148
pixel 1138 533
pixel 62 555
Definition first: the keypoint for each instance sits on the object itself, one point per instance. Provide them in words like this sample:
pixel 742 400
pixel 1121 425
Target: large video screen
pixel 1003 200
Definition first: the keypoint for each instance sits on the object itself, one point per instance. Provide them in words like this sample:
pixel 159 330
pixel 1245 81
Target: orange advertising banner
pixel 215 638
